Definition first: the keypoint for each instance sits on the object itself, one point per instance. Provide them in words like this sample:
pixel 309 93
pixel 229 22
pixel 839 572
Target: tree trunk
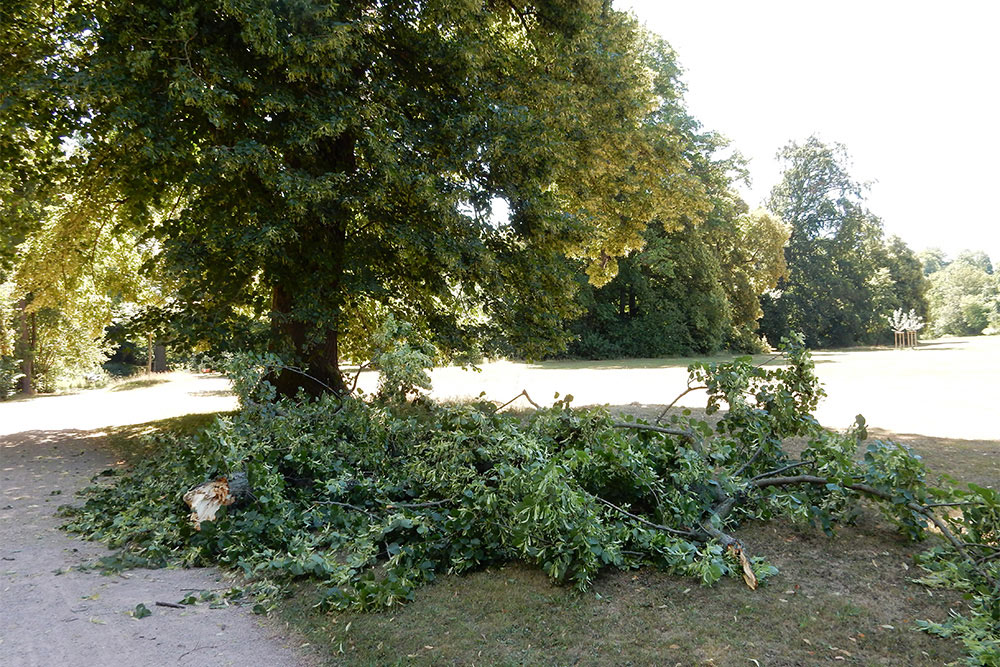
pixel 317 364
pixel 321 372
pixel 5 349
pixel 149 354
pixel 159 359
pixel 25 348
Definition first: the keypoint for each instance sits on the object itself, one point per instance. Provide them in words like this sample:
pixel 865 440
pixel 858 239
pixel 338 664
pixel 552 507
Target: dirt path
pixel 51 614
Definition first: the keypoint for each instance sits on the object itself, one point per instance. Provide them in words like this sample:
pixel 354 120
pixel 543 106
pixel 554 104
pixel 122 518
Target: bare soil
pixel 54 612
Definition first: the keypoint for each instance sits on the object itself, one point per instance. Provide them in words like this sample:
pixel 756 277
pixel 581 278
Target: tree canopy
pixel 308 168
pixel 964 296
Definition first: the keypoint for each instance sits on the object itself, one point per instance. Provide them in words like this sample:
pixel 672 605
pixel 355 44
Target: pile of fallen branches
pixel 376 499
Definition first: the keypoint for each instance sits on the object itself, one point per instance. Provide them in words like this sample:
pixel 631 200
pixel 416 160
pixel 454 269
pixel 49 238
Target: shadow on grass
pixel 139 384
pixel 976 461
pixel 212 393
pixel 648 363
pixel 132 444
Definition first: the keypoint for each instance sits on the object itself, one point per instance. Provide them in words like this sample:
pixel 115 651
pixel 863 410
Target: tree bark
pixel 159 358
pixel 25 348
pixel 321 373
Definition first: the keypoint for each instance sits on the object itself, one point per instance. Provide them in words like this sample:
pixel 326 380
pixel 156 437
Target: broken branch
pixel 650 524
pixel 679 397
pixel 524 392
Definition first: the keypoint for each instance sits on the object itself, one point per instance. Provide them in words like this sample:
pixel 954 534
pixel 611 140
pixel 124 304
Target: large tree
pixel 843 279
pixel 323 164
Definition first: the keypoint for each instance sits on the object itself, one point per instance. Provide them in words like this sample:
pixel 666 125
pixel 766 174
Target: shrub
pixel 10 373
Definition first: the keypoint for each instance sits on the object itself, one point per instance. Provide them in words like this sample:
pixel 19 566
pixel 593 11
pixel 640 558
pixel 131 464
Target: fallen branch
pixel 524 392
pixel 778 471
pixel 207 498
pixel 924 511
pixel 650 524
pixel 679 397
pixel 357 376
pixel 431 503
pixel 347 505
pixel 682 432
pixel 733 546
pixel 172 605
pixel 388 505
pixel 749 462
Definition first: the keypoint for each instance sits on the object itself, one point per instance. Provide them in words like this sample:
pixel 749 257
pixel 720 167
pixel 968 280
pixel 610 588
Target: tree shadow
pixel 648 363
pixel 139 384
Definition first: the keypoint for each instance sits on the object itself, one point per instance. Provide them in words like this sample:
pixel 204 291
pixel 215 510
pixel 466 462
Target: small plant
pixel 403 359
pixel 10 373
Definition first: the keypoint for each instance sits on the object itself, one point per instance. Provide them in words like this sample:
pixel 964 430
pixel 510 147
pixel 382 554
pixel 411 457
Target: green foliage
pixel 374 500
pixel 979 629
pixel 843 279
pixel 965 297
pixel 140 611
pixel 694 285
pixel 10 373
pixel 692 290
pixel 933 260
pixel 306 168
pixel 666 300
pixel 402 359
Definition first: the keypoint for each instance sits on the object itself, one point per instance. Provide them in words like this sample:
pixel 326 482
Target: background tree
pixel 665 300
pixel 977 259
pixel 72 281
pixel 963 297
pixel 906 273
pixel 933 260
pixel 752 260
pixel 842 278
pixel 694 285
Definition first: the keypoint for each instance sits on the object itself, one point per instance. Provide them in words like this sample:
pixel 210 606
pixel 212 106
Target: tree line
pixel 290 177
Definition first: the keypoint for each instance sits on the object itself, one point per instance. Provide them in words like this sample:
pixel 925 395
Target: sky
pixel 911 88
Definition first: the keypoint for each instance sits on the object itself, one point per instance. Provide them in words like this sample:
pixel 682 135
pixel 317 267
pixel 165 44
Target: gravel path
pixel 55 615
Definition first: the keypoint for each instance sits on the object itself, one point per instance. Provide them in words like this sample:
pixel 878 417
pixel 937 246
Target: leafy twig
pixel 658 526
pixel 679 397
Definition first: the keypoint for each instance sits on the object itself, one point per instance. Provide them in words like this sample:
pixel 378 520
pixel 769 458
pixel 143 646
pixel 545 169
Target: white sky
pixel 912 88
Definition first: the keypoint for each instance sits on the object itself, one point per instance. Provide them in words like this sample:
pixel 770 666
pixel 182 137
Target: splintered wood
pixel 206 499
pixel 749 578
